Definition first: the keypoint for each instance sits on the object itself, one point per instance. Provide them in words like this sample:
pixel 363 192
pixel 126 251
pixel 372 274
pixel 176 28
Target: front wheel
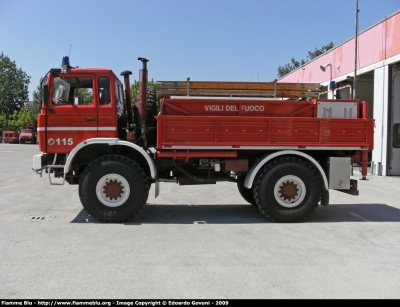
pixel 113 189
pixel 288 189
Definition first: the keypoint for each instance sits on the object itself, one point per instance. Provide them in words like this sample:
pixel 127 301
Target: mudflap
pixel 325 197
pixel 157 188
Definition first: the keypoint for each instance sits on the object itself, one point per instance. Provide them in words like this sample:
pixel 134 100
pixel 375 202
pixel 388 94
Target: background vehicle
pixel 27 135
pixel 10 137
pixel 283 148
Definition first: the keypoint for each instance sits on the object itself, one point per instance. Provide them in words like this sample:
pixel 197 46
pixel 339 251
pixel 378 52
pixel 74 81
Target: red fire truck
pixel 282 146
pixel 27 134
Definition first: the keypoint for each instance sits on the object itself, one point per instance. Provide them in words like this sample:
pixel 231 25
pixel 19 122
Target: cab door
pixel 72 112
pixel 107 121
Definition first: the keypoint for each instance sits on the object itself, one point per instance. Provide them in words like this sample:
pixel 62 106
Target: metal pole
pixel 330 83
pixel 355 53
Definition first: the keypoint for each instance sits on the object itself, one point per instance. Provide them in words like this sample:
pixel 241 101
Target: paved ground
pixel 201 242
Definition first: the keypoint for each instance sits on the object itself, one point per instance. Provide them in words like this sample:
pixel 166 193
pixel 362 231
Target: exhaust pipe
pixel 142 99
pixel 128 103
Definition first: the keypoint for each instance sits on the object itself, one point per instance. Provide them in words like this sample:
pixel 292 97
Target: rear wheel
pixel 287 190
pixel 113 189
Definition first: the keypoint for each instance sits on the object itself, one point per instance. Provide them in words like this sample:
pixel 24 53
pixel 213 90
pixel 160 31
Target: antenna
pixel 70 45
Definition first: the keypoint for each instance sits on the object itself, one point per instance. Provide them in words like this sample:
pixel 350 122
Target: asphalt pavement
pixel 193 242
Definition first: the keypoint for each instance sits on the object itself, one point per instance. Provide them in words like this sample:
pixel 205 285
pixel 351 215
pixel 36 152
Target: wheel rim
pixel 290 191
pixel 112 190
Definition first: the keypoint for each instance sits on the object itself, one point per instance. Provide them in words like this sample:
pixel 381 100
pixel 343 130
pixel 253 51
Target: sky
pixel 204 40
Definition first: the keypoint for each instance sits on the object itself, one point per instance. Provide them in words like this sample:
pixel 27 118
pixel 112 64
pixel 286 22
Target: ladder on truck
pixel 238 89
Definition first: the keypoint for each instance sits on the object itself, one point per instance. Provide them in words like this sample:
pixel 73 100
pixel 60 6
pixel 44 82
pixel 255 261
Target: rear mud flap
pixel 325 197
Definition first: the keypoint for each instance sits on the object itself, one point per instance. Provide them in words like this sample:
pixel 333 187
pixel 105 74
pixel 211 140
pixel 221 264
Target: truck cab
pixel 80 104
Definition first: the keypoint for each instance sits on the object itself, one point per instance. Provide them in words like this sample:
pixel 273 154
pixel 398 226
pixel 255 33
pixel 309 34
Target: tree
pixel 20 119
pixel 284 70
pixel 318 52
pixel 13 86
pixel 36 106
pixel 287 68
pixel 3 123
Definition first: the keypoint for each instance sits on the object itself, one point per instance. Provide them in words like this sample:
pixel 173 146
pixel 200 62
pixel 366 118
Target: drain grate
pixel 37 218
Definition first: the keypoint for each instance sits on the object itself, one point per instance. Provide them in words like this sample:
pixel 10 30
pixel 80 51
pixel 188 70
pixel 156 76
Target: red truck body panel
pixel 238 107
pixel 182 132
pixel 206 123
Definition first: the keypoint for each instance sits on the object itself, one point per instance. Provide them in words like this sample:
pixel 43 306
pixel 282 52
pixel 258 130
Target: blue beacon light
pixel 65 64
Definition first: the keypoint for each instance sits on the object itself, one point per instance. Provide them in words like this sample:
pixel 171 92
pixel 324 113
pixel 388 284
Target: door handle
pixel 90 119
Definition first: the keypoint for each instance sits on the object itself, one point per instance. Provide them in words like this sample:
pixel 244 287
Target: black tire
pixel 247 194
pixel 287 189
pixel 118 175
pixel 151 122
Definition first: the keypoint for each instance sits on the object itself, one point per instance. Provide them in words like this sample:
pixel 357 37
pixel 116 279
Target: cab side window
pixel 83 95
pixel 73 90
pixel 104 90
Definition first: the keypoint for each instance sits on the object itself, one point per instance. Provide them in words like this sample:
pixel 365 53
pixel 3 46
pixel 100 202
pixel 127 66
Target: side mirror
pixel 44 94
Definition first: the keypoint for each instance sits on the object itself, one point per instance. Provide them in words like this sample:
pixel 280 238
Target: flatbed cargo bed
pixel 232 123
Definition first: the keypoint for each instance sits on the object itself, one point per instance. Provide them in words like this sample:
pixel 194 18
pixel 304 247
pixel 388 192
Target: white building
pixel 377 81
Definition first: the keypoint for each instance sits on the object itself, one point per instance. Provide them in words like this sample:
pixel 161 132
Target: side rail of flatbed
pixel 235 132
pixel 237 89
pixel 228 106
